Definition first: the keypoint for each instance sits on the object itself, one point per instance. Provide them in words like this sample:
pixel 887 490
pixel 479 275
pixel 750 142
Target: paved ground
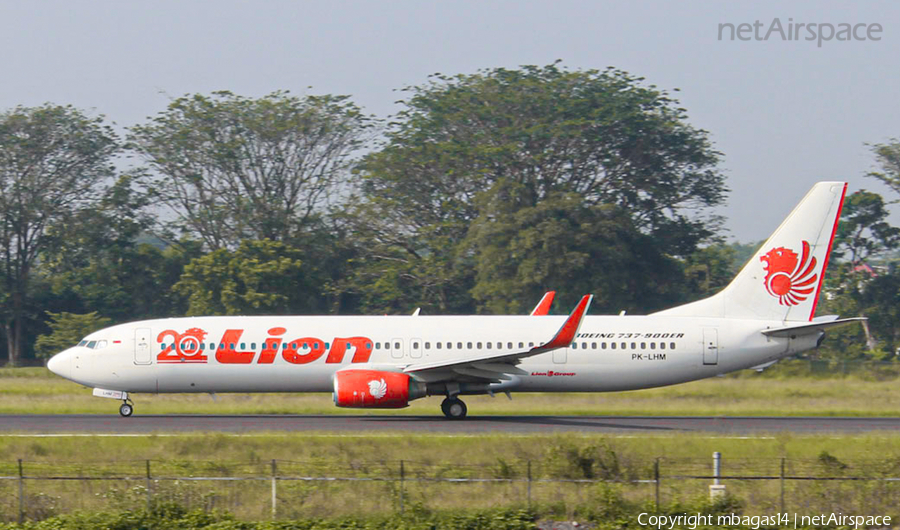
pixel 138 424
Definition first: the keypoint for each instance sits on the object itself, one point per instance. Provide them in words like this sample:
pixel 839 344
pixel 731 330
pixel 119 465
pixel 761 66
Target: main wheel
pixel 454 408
pixel 126 410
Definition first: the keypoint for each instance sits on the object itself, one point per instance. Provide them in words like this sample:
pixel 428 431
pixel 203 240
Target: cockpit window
pixel 94 344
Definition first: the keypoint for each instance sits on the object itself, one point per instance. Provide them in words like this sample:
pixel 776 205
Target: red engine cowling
pixel 375 389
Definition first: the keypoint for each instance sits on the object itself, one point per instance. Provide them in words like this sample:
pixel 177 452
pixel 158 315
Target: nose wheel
pixel 454 408
pixel 127 409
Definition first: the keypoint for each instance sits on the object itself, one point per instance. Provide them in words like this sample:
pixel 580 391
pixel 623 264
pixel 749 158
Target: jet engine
pixel 375 389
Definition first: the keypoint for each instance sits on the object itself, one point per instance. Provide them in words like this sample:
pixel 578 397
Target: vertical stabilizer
pixel 784 278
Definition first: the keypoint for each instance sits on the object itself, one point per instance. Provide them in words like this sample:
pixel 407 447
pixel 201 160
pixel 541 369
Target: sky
pixel 784 113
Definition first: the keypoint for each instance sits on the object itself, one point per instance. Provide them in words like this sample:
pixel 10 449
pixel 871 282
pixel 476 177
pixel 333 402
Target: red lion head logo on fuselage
pixel 788 279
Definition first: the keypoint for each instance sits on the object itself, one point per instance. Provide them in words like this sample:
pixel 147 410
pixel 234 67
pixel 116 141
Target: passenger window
pixel 521 345
pixel 202 346
pixel 602 345
pixel 427 345
pixel 438 345
pixel 509 345
pixel 652 345
pixel 243 345
pixel 469 344
pixel 643 345
pixel 531 345
pixel 396 345
pixel 584 345
pixel 671 345
pixel 459 345
pixel 231 346
pixel 212 346
pixel 479 345
pixel 633 346
pixel 162 346
pixel 499 345
pixel 624 345
pixel 612 345
pixel 377 345
pixel 489 345
pixel 368 346
pixel 662 345
pixel 574 345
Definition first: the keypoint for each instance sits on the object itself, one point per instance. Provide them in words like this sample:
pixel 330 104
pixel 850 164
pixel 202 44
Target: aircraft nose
pixel 61 364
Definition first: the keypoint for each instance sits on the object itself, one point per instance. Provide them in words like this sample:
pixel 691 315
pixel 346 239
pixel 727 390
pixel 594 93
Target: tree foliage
pixel 54 161
pixel 235 168
pixel 258 278
pixel 67 329
pixel 471 151
pixel 888 157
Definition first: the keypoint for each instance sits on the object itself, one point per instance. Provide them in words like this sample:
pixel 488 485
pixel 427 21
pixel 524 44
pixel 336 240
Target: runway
pixel 109 424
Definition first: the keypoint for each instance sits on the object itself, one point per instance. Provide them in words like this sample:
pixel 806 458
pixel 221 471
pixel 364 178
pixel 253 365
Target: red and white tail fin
pixel 784 278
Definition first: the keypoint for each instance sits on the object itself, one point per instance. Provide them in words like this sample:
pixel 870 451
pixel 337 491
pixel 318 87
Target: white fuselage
pixel 302 354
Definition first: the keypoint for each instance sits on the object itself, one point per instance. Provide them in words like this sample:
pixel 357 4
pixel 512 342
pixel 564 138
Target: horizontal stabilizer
pixel 812 327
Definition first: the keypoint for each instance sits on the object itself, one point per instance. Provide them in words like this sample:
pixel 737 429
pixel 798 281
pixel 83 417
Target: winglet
pixel 543 307
pixel 566 333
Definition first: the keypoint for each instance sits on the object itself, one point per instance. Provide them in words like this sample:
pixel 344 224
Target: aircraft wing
pixel 493 366
pixel 543 307
pixel 811 327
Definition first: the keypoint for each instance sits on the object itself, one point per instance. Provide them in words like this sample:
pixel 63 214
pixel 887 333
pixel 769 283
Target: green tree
pixel 54 161
pixel 711 268
pixel 888 157
pixel 232 167
pixel 563 242
pixel 473 148
pixel 864 231
pixel 104 259
pixel 67 329
pixel 258 278
pixel 858 281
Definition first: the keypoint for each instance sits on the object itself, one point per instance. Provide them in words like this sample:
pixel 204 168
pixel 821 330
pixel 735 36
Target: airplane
pixel 765 314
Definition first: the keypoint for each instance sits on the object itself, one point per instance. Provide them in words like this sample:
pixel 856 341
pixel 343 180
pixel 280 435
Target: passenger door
pixel 142 346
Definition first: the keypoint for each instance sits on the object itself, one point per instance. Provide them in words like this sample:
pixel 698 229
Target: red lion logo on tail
pixel 790 280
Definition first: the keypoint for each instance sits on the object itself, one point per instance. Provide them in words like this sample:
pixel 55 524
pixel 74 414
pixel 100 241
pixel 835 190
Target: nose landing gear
pixel 127 408
pixel 454 408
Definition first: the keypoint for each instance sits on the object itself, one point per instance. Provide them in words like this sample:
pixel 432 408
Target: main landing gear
pixel 454 408
pixel 127 408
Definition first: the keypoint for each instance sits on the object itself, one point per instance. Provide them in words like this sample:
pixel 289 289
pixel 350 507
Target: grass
pixel 37 391
pixel 441 456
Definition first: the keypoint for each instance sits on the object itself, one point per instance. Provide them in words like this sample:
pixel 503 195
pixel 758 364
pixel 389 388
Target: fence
pixel 281 488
